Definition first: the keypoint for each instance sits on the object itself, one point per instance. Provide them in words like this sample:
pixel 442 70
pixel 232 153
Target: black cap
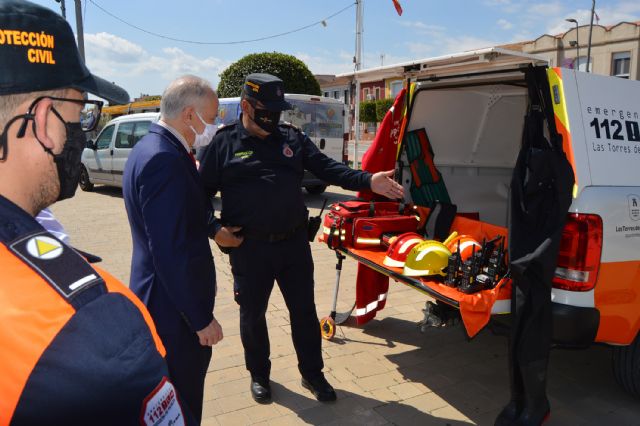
pixel 267 89
pixel 39 52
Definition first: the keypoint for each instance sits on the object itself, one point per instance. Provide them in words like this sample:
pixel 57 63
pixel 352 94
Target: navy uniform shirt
pixel 260 179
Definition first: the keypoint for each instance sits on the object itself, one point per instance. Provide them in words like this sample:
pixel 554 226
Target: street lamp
pixel 577 42
pixel 593 12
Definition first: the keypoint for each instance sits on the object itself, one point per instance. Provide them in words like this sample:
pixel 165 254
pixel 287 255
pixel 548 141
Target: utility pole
pixel 358 64
pixel 593 12
pixel 79 28
pixel 63 9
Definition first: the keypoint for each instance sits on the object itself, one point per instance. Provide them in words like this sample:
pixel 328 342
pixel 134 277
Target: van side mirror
pixel 91 144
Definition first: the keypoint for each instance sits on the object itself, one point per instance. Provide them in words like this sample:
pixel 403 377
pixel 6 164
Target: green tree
pixel 294 73
pixel 382 106
pixel 368 112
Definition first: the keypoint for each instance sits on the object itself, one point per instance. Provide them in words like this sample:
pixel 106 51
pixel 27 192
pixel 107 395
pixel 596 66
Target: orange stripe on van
pixel 27 303
pixel 617 296
pixel 561 118
pixel 115 286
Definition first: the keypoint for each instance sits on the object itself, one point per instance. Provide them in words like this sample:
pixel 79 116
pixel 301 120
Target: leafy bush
pixel 368 112
pixel 382 106
pixel 294 73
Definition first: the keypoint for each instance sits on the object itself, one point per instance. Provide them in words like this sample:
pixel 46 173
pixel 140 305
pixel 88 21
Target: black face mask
pixel 68 161
pixel 267 120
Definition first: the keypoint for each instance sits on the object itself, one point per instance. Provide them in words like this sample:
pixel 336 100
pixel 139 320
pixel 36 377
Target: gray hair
pixel 183 92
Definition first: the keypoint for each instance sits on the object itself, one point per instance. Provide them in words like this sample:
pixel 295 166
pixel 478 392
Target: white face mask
pixel 203 139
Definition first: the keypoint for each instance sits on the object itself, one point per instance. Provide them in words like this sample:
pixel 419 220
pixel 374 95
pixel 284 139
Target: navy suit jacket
pixel 172 269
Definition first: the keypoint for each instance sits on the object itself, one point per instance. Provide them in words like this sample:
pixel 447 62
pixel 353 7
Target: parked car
pixel 104 158
pixel 322 119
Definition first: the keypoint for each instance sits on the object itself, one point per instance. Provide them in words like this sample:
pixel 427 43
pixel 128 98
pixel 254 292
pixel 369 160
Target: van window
pixel 317 120
pixel 227 113
pixel 328 121
pixel 104 140
pixel 141 129
pixel 124 137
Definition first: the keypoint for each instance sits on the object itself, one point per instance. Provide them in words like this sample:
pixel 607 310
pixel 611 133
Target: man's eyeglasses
pixel 89 116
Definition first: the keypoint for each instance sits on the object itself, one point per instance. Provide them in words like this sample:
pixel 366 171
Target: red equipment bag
pixel 367 231
pixel 337 229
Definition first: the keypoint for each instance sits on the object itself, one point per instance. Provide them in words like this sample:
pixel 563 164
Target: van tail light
pixel 345 148
pixel 579 255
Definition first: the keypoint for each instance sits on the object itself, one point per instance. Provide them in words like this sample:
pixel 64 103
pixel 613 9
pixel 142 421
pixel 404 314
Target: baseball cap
pixel 39 52
pixel 267 89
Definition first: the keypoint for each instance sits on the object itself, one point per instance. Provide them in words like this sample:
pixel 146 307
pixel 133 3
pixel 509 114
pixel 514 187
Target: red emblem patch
pixel 287 151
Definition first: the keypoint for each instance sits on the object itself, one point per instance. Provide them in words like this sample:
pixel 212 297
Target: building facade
pixel 615 50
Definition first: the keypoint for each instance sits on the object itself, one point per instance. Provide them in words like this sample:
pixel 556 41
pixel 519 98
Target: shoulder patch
pixel 61 266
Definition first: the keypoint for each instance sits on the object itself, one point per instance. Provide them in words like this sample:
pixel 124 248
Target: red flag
pixel 396 4
pixel 381 155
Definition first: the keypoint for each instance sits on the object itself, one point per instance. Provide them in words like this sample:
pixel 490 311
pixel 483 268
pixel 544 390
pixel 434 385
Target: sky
pixel 144 63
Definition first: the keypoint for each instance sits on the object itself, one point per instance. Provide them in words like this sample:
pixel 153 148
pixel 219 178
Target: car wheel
pixel 626 366
pixel 84 182
pixel 315 189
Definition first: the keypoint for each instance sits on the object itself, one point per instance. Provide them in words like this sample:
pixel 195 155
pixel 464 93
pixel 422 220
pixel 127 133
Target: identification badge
pixel 161 407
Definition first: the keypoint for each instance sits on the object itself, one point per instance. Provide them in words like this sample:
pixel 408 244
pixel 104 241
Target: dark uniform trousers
pixel 255 265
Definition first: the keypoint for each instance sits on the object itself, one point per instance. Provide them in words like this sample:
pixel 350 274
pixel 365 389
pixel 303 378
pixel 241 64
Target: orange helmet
pixel 466 244
pixel 400 247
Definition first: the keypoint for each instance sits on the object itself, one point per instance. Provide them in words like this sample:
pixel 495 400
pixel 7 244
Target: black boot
pixel 509 413
pixel 512 410
pixel 536 407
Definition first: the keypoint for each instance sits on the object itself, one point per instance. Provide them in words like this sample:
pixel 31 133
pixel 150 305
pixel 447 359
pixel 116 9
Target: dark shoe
pixel 260 390
pixel 320 388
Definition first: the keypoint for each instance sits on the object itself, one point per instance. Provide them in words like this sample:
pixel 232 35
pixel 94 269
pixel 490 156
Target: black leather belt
pixel 270 237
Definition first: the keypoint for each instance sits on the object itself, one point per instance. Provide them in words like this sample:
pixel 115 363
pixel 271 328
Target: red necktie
pixel 193 158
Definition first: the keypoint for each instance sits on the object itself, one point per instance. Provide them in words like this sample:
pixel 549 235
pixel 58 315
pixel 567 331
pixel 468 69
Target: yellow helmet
pixel 427 258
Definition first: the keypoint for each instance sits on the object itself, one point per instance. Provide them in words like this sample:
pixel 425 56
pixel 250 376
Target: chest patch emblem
pixel 287 151
pixel 243 154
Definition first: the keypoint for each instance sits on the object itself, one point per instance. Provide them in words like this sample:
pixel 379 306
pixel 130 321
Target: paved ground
pixel 386 372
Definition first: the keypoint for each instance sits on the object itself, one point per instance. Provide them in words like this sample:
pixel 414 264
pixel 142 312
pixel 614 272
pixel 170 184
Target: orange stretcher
pixel 475 309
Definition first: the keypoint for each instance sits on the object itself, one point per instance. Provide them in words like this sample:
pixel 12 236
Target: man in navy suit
pixel 172 269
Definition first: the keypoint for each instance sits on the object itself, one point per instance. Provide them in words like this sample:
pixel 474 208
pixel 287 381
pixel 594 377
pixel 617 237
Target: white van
pixel 322 119
pixel 474 121
pixel 103 159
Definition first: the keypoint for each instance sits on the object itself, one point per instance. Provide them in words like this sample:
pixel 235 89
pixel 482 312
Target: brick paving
pixel 386 372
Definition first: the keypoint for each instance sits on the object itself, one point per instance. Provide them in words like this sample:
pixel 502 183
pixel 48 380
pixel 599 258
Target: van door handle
pixel 112 152
pixel 322 143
